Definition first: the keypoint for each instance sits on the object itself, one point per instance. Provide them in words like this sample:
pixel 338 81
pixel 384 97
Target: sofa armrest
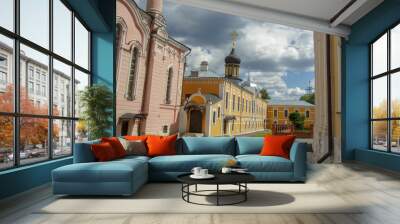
pixel 298 155
pixel 83 152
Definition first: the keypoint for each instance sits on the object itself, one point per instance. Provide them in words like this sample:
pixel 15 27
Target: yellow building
pixel 218 106
pixel 279 111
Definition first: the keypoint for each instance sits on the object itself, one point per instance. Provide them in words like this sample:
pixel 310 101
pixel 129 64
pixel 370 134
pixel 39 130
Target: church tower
pixel 155 9
pixel 155 6
pixel 232 61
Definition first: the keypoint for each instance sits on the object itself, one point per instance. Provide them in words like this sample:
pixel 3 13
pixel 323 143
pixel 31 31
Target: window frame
pixel 388 74
pixel 130 92
pixel 168 89
pixel 16 115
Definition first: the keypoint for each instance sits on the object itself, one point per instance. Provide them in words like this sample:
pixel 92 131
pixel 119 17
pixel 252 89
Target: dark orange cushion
pixel 116 145
pixel 103 152
pixel 161 145
pixel 277 145
pixel 136 138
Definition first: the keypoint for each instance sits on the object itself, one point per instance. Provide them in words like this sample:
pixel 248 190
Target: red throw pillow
pixel 161 145
pixel 116 145
pixel 135 138
pixel 277 145
pixel 103 152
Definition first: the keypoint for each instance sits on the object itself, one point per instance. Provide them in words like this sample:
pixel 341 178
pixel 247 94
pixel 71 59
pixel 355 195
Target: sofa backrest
pixel 249 145
pixel 207 145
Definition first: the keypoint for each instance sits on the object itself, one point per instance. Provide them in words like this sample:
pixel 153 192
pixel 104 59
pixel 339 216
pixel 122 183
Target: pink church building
pixel 150 70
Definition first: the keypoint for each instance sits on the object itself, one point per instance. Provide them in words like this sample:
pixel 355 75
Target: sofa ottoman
pixel 119 177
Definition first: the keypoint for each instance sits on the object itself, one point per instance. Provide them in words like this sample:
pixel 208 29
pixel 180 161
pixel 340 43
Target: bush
pixel 297 120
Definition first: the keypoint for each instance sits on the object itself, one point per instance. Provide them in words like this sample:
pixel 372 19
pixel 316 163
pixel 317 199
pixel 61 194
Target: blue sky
pixel 276 57
pixel 35 27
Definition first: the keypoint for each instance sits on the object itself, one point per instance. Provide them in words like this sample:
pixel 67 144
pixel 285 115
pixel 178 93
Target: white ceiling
pixel 315 15
pixel 321 9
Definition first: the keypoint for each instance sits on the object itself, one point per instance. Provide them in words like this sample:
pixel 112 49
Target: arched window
pixel 118 36
pixel 169 84
pixel 130 91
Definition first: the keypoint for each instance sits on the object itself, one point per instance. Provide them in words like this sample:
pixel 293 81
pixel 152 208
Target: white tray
pixel 208 176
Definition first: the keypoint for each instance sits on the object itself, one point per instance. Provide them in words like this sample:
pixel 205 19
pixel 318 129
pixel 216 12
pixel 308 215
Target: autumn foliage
pixel 380 127
pixel 33 131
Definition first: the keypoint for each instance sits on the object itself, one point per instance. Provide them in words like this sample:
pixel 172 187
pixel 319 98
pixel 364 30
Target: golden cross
pixel 234 36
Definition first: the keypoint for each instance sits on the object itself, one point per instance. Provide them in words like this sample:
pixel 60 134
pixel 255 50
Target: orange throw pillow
pixel 116 145
pixel 161 145
pixel 142 138
pixel 103 152
pixel 277 145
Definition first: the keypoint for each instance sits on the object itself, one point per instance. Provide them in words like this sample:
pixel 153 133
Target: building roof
pixel 232 58
pixel 212 98
pixel 289 103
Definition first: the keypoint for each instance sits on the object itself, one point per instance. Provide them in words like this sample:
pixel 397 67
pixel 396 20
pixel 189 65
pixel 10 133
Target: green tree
pixel 310 98
pixel 297 120
pixel 97 102
pixel 264 94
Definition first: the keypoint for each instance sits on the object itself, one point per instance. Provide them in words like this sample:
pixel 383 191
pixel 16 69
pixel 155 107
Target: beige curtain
pixel 321 126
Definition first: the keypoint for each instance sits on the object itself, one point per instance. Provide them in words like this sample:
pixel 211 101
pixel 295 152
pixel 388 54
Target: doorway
pixel 195 121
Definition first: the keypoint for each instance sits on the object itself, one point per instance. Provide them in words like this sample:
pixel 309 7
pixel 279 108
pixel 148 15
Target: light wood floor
pixel 379 189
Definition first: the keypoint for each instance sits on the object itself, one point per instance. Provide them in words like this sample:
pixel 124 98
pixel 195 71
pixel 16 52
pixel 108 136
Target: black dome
pixel 232 58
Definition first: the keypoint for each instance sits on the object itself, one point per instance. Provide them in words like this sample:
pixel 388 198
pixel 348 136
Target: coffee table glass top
pixel 220 178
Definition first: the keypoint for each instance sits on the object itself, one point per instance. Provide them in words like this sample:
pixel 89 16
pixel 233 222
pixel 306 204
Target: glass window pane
pixel 81 131
pixel 395 94
pixel 7 14
pixel 6 142
pixel 62 89
pixel 81 82
pixel 379 97
pixel 379 56
pixel 81 45
pixel 34 97
pixel 62 138
pixel 379 135
pixel 6 74
pixel 395 47
pixel 395 136
pixel 33 140
pixel 35 21
pixel 62 29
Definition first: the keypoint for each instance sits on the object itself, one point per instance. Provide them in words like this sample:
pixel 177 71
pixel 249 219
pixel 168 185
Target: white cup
pixel 203 172
pixel 196 171
pixel 226 170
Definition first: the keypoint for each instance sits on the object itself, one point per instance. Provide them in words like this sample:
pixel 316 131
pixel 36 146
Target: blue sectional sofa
pixel 125 176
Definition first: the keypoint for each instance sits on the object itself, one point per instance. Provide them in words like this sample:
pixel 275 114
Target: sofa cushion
pixel 277 145
pixel 185 163
pixel 103 152
pixel 161 145
pixel 134 147
pixel 135 138
pixel 116 145
pixel 257 163
pixel 112 171
pixel 249 145
pixel 207 145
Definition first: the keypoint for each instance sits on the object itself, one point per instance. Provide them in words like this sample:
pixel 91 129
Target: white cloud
pixel 276 85
pixel 268 51
pixel 280 48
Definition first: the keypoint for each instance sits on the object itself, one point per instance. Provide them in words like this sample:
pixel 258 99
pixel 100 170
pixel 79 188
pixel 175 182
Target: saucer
pixel 208 176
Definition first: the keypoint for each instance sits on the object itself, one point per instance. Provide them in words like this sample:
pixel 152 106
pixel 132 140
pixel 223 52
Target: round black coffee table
pixel 238 179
